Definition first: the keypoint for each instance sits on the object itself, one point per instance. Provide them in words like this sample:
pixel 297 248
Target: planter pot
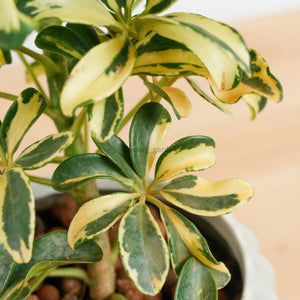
pixel 257 273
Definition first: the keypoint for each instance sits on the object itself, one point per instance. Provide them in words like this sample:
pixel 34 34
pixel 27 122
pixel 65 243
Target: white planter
pixel 257 273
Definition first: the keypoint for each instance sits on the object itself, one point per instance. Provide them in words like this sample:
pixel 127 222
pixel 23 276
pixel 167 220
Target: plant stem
pixel 8 96
pixel 41 180
pixel 30 71
pixel 79 120
pixel 86 136
pixel 38 280
pixel 58 160
pixel 74 273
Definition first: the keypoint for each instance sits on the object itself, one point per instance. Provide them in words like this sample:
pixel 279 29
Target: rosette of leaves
pixel 173 45
pixel 143 250
pixel 17 208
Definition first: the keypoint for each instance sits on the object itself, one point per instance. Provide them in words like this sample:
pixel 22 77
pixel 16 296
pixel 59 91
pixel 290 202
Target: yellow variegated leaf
pixel 207 198
pixel 105 116
pixel 97 215
pixel 219 47
pixel 156 6
pixel 118 5
pixel 98 74
pixel 17 216
pixel 256 103
pixel 193 239
pixel 193 153
pixel 5 57
pixel 180 100
pixel 262 82
pixel 74 11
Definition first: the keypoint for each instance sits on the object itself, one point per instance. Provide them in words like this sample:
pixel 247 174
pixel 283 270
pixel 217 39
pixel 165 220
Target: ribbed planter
pixel 257 273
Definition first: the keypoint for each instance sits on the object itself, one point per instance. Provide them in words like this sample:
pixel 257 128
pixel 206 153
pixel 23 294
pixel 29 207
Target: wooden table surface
pixel 264 152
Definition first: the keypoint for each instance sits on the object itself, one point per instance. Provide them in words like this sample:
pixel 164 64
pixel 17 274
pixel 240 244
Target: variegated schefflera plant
pixel 143 249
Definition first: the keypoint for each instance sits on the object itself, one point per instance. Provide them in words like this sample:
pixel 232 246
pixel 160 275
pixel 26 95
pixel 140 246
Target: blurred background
pixel 264 152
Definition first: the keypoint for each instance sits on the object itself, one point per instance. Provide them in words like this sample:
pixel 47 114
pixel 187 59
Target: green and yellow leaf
pixel 256 103
pixel 85 167
pixel 46 256
pixel 118 5
pixel 224 107
pixel 195 282
pixel 17 215
pixel 5 57
pixel 194 241
pixel 148 129
pixel 74 11
pixel 20 117
pixel 157 6
pixel 98 215
pixel 99 74
pixel 105 116
pixel 219 47
pixel 42 152
pixel 143 250
pixel 262 82
pixel 192 153
pixel 160 56
pixel 61 40
pixel 14 26
pixel 207 198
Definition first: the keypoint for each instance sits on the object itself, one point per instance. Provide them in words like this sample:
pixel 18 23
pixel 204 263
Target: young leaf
pixel 42 152
pixel 105 116
pixel 20 117
pixel 118 152
pixel 74 11
pixel 50 251
pixel 224 107
pixel 148 129
pixel 14 26
pixel 157 6
pixel 195 283
pixel 157 55
pixel 61 40
pixel 98 215
pixel 195 243
pixel 256 103
pixel 207 198
pixel 85 167
pixel 17 216
pixel 262 82
pixel 192 153
pixel 143 250
pixel 180 253
pixel 107 66
pixel 5 57
pixel 220 48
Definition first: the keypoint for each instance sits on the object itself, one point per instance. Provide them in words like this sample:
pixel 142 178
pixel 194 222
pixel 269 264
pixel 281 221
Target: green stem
pixel 86 136
pixel 79 120
pixel 74 273
pixel 41 180
pixel 38 280
pixel 30 71
pixel 58 160
pixel 50 66
pixel 8 96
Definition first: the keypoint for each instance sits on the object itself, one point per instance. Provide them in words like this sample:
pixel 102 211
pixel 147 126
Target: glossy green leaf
pixel 192 153
pixel 148 129
pixel 61 40
pixel 256 103
pixel 160 56
pixel 74 11
pixel 50 251
pixel 20 117
pixel 143 250
pixel 220 48
pixel 207 198
pixel 42 152
pixel 182 230
pixel 107 66
pixel 224 107
pixel 5 57
pixel 85 167
pixel 174 96
pixel 14 26
pixel 157 6
pixel 195 283
pixel 118 152
pixel 262 82
pixel 105 116
pixel 17 215
pixel 6 269
pixel 98 215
